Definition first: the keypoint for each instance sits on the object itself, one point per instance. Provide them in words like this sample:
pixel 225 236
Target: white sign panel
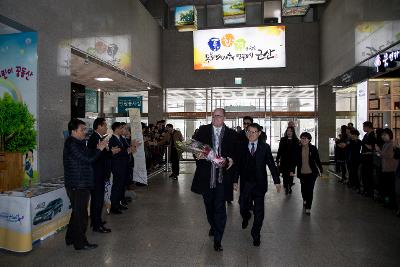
pixel 362 106
pixel 233 48
pixel 139 171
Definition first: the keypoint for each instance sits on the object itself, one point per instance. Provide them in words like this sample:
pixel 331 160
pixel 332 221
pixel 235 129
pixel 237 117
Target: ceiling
pixel 4 29
pixel 84 71
pixel 240 93
pixel 173 3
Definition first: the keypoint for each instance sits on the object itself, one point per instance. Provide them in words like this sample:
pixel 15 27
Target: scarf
pixel 214 167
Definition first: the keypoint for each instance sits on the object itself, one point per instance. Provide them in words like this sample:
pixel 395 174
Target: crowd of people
pixel 88 164
pixel 369 166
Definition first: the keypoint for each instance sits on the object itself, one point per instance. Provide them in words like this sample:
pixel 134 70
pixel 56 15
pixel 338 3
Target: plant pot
pixel 11 171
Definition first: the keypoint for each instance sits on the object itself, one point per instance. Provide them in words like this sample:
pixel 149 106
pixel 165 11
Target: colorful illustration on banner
pixel 18 78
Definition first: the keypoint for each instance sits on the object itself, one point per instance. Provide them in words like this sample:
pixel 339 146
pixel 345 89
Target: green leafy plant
pixel 17 126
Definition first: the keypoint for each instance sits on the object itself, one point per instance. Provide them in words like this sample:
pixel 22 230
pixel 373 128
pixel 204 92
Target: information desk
pixel 26 217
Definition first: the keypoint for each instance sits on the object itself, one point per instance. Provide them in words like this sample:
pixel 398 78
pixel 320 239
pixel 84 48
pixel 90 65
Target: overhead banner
pixel 140 170
pixel 234 11
pixel 18 77
pixel 238 48
pixel 362 105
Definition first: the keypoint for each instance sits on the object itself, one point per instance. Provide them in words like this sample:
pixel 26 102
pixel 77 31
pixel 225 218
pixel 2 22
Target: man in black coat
pixel 119 168
pixel 79 180
pixel 253 156
pixel 211 180
pixel 102 171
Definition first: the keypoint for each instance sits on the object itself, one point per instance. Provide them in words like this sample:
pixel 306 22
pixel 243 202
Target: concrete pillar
pixel 326 120
pixel 156 105
pixel 189 106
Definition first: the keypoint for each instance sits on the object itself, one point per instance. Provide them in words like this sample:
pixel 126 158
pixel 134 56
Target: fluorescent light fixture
pixel 104 79
pixel 98 90
pixel 148 87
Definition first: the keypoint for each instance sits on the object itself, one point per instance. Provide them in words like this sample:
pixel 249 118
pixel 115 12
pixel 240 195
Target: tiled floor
pixel 166 226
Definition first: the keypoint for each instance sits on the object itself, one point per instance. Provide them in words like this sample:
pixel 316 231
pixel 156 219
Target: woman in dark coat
pixel 286 157
pixel 309 167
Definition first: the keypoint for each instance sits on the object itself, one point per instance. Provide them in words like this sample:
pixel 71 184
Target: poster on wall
pixel 234 48
pixel 234 11
pixel 186 18
pixel 18 77
pixel 91 100
pixel 362 106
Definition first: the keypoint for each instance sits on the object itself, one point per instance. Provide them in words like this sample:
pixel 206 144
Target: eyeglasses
pixel 251 132
pixel 217 116
pixel 246 123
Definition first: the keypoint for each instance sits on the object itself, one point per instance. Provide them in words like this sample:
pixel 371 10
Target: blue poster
pixel 18 77
pixel 126 102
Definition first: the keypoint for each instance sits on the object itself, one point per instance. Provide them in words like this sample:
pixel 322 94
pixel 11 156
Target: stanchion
pixel 167 158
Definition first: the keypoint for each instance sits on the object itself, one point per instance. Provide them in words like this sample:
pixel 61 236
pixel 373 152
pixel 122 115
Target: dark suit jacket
pixel 202 175
pixel 314 161
pixel 102 165
pixel 263 157
pixel 120 160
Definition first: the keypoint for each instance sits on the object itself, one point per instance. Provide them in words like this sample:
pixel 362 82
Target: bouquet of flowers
pixel 197 147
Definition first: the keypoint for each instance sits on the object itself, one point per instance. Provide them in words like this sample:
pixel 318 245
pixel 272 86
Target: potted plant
pixel 17 136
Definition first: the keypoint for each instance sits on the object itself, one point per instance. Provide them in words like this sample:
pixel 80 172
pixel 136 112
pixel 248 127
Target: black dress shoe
pixel 123 207
pixel 115 211
pixel 256 242
pixel 68 242
pixel 211 232
pixel 218 246
pixel 103 222
pixel 88 246
pixel 102 230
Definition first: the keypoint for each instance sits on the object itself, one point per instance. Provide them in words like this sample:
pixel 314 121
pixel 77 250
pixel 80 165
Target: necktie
pixel 253 150
pixel 217 132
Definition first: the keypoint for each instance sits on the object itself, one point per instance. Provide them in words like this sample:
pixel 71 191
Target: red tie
pixel 252 151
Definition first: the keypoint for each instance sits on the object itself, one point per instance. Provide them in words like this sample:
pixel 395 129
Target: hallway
pixel 166 226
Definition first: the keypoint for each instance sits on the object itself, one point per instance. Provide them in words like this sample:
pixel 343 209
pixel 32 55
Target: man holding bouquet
pixel 253 157
pixel 213 177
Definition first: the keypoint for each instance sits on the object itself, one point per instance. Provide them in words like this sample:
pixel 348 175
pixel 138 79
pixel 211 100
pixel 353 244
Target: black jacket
pixel 314 161
pixel 78 160
pixel 263 157
pixel 102 165
pixel 120 160
pixel 202 175
pixel 287 154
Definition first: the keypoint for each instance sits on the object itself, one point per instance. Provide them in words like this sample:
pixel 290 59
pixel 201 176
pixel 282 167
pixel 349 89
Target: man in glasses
pixel 247 120
pixel 253 156
pixel 213 181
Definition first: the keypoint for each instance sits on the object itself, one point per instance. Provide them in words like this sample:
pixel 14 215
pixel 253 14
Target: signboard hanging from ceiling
pixel 234 11
pixel 239 48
